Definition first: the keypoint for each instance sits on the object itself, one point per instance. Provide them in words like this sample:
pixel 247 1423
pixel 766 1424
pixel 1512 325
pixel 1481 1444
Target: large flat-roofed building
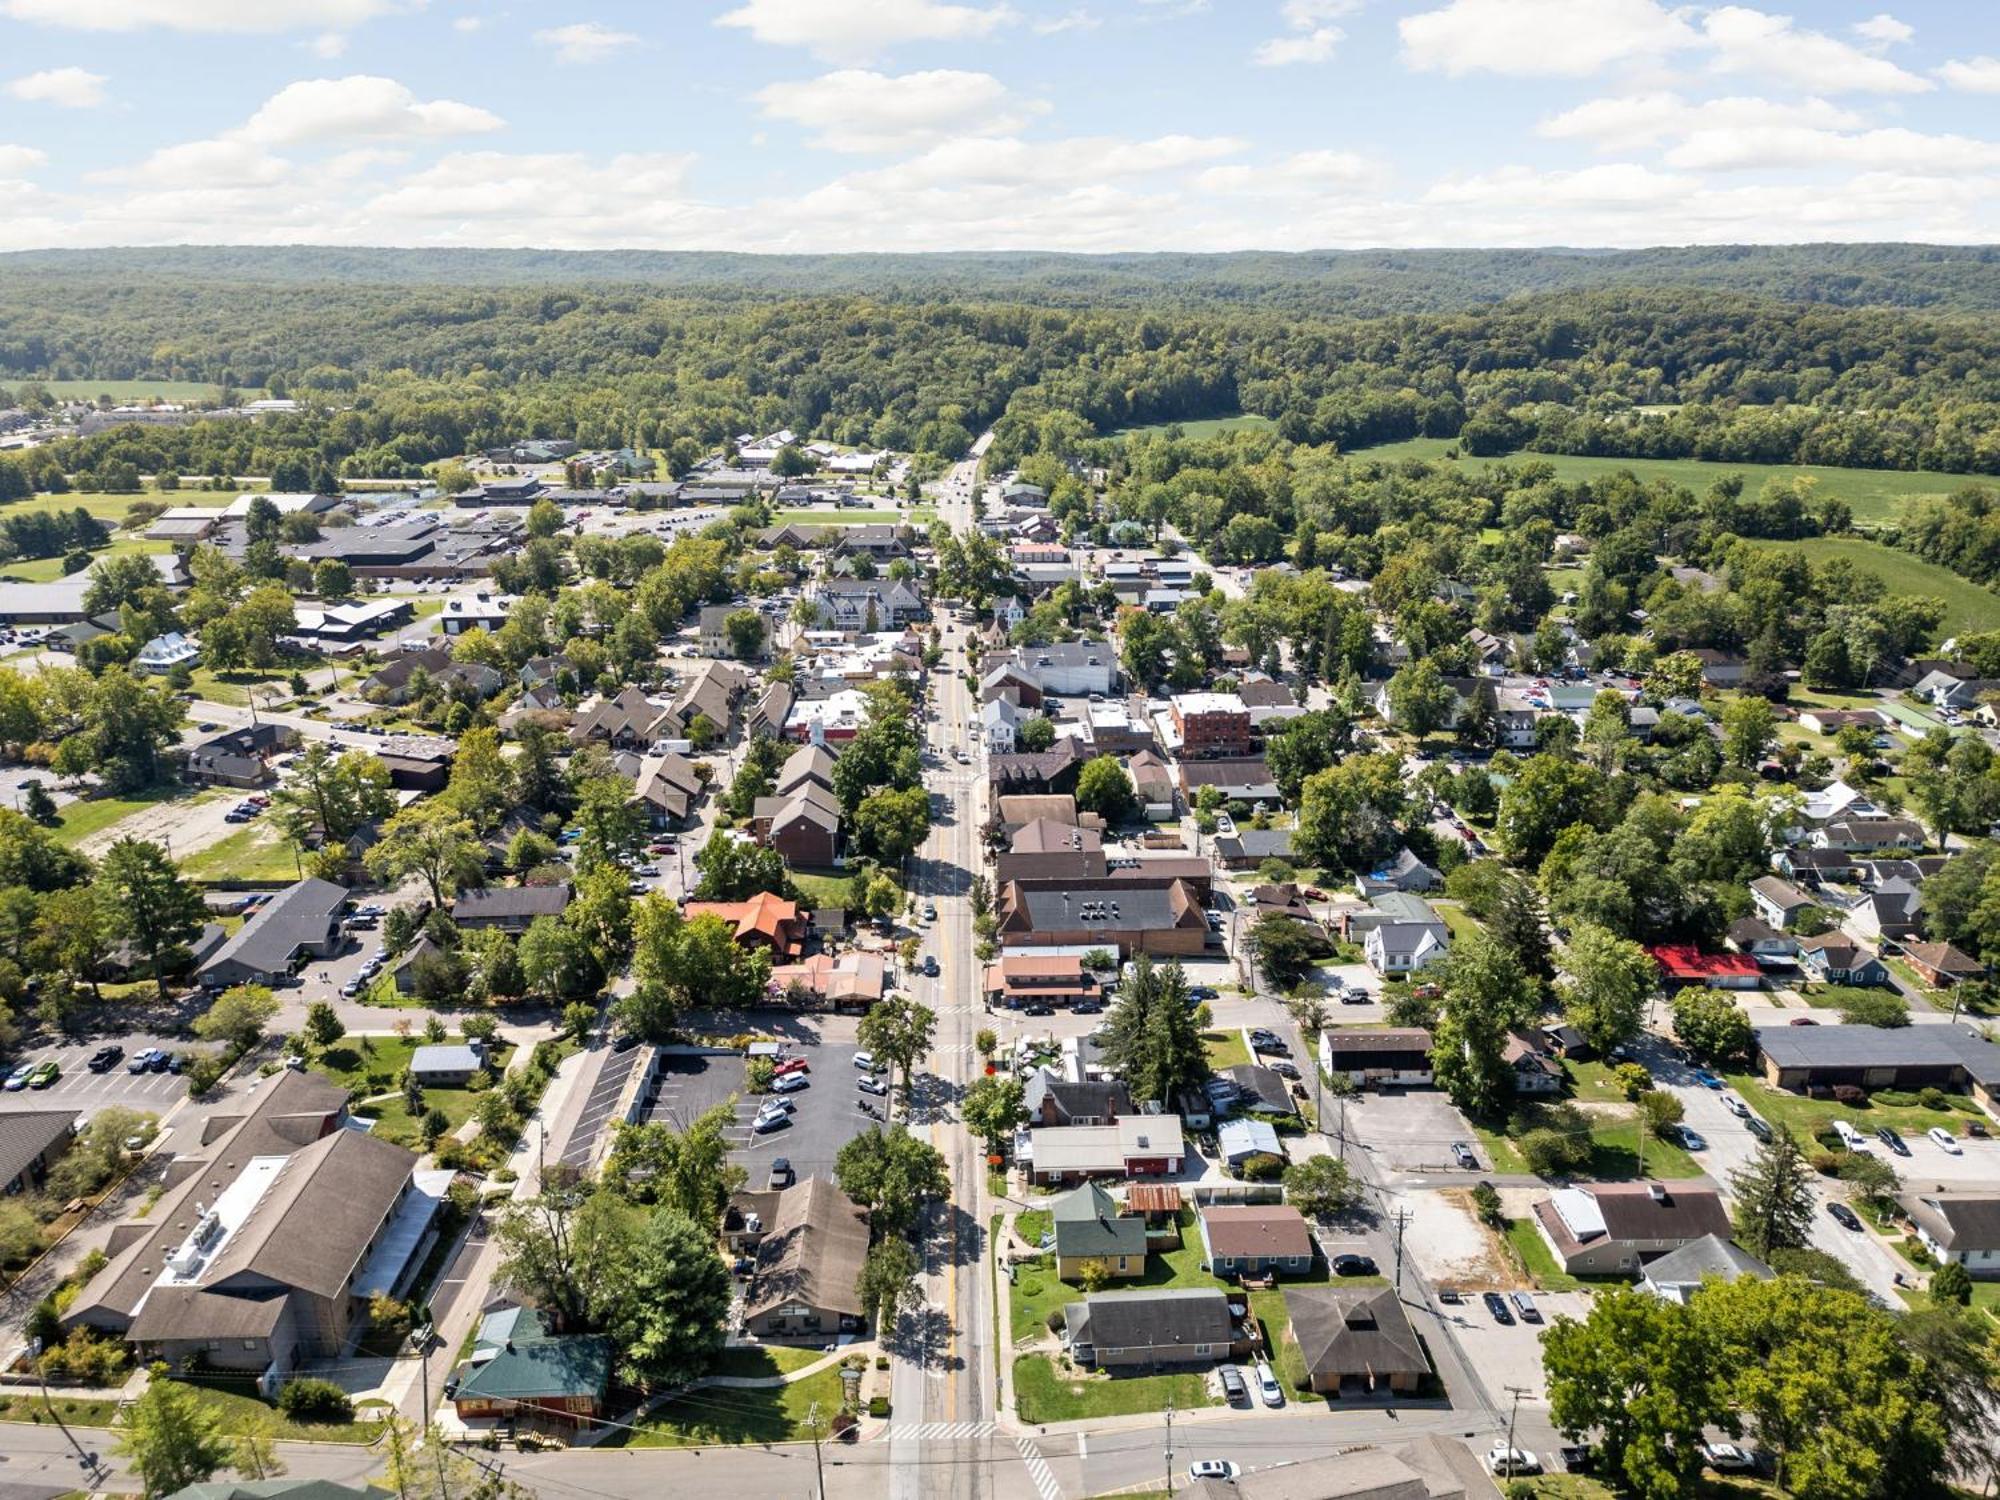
pixel 1871 1057
pixel 1165 918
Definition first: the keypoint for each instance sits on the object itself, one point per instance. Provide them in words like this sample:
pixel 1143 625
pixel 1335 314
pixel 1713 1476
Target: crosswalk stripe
pixel 939 1432
pixel 1038 1470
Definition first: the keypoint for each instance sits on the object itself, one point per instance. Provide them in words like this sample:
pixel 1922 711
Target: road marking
pixel 1038 1470
pixel 939 1432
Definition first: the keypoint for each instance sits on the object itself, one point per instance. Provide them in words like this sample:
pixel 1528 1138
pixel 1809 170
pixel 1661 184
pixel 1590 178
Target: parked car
pixel 1511 1461
pixel 1690 1138
pixel 1212 1468
pixel 1707 1079
pixel 1234 1391
pixel 791 1083
pixel 781 1172
pixel 18 1079
pixel 1735 1106
pixel 1579 1458
pixel 1284 1069
pixel 1524 1304
pixel 1845 1217
pixel 865 1061
pixel 930 911
pixel 1463 1155
pixel 765 1124
pixel 777 1106
pixel 790 1066
pixel 45 1073
pixel 1945 1140
pixel 142 1060
pixel 872 1085
pixel 1497 1306
pixel 1892 1140
pixel 104 1059
pixel 1725 1458
pixel 1268 1388
pixel 1757 1127
pixel 1353 1265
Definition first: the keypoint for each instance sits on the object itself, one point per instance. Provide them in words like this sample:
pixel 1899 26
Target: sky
pixel 911 125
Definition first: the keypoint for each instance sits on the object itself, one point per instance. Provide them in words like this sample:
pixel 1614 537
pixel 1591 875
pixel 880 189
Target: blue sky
pixel 807 125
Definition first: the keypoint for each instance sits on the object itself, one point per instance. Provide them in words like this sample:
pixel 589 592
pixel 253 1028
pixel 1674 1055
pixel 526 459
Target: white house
pixel 998 723
pixel 1406 947
pixel 1959 1227
pixel 165 652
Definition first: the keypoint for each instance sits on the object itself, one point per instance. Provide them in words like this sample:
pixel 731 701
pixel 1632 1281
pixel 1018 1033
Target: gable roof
pixel 1967 1222
pixel 298 915
pixel 1263 1231
pixel 1360 1332
pixel 1087 1221
pixel 533 1364
pixel 1697 1260
pixel 26 1133
pixel 1152 1320
pixel 811 1253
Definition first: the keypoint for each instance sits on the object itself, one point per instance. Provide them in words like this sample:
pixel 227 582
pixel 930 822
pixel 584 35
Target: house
pixel 1256 1240
pixel 163 653
pixel 1529 1067
pixel 767 717
pixel 302 921
pixel 1152 783
pixel 672 791
pixel 273 1233
pixel 31 1141
pixel 1047 772
pixel 1152 1330
pixel 1679 1274
pixel 764 921
pixel 1245 779
pixel 1239 1142
pixel 808 764
pixel 441 1065
pixel 401 680
pixel 1865 835
pixel 509 908
pixel 808 1247
pixel 1763 942
pixel 1682 965
pixel 1392 1057
pixel 1090 1228
pixel 1833 959
pixel 1606 1228
pixel 1130 1146
pixel 1018 979
pixel 1719 669
pixel 1778 902
pixel 1830 721
pixel 1960 1229
pixel 999 725
pixel 629 721
pixel 1248 848
pixel 1210 725
pixel 1815 866
pixel 1259 1090
pixel 1048 1100
pixel 1801 1058
pixel 1940 965
pixel 1566 1041
pixel 804 827
pixel 1405 947
pixel 1356 1340
pixel 1406 873
pixel 520 1368
pixel 239 757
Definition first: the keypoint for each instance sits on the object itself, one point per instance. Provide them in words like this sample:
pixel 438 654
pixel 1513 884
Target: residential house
pixel 672 791
pixel 302 921
pixel 1048 1100
pixel 399 681
pixel 1602 1229
pixel 1833 959
pixel 1131 1146
pixel 1052 771
pixel 1392 1057
pixel 1239 779
pixel 1529 1067
pixel 1684 965
pixel 1248 848
pixel 808 1242
pixel 1256 1240
pixel 1889 910
pixel 763 921
pixel 1864 835
pixel 1908 1058
pixel 804 827
pixel 1941 965
pixel 1763 942
pixel 1679 1274
pixel 1567 1041
pixel 1961 1229
pixel 31 1141
pixel 1240 1142
pixel 163 653
pixel 1152 783
pixel 1720 669
pixel 1210 726
pixel 1406 947
pixel 1406 873
pixel 1357 1340
pixel 767 717
pixel 1259 1090
pixel 447 1065
pixel 522 1373
pixel 1778 902
pixel 999 725
pixel 509 908
pixel 1091 1229
pixel 1153 1330
pixel 240 757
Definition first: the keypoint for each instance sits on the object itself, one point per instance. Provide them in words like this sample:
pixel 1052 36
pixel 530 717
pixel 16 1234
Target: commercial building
pixel 1357 1341
pixel 809 1242
pixel 510 908
pixel 1871 1057
pixel 301 922
pixel 1131 1146
pixel 1211 725
pixel 1396 1057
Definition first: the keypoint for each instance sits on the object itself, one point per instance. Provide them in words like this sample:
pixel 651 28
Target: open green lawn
pixel 375 1064
pixel 1614 1155
pixel 1045 1393
pixel 1537 1259
pixel 845 517
pixel 79 820
pixel 110 509
pixel 1462 923
pixel 238 1404
pixel 723 1414
pixel 1268 1308
pixel 1037 1293
pixel 257 851
pixel 1225 1049
pixel 25 1404
pixel 1205 427
pixel 1968 606
pixel 90 387
pixel 1806 1118
pixel 764 1362
pixel 1876 495
pixel 233 686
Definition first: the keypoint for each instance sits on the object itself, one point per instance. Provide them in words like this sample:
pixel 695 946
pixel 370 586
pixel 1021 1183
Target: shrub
pixel 308 1399
pixel 878 1406
pixel 881 1361
pixel 1850 1095
pixel 1934 1098
pixel 1827 1163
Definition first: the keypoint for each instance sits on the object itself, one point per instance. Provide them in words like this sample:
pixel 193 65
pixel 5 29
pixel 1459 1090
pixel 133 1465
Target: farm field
pixel 1206 427
pixel 1876 495
pixel 90 389
pixel 1968 606
pixel 110 509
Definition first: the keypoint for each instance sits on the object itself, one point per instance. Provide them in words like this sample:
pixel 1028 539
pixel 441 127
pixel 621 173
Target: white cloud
pixel 360 106
pixel 500 198
pixel 1896 150
pixel 1315 46
pixel 1884 30
pixel 1303 15
pixel 468 23
pixel 19 161
pixel 1755 41
pixel 1613 183
pixel 72 88
pixel 1539 38
pixel 854 30
pixel 857 110
pixel 1301 174
pixel 330 44
pixel 226 163
pixel 1619 124
pixel 585 42
pixel 1975 75
pixel 252 16
pixel 1074 20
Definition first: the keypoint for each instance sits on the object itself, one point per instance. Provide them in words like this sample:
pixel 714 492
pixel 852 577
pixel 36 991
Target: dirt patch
pixel 1451 1245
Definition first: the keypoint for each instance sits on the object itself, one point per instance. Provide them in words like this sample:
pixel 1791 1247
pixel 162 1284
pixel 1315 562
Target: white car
pixel 1736 1106
pixel 1212 1468
pixel 1725 1457
pixel 1501 1459
pixel 1268 1388
pixel 791 1083
pixel 1946 1141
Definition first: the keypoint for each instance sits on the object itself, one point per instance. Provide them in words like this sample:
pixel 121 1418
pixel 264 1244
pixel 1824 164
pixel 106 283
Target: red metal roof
pixel 1679 961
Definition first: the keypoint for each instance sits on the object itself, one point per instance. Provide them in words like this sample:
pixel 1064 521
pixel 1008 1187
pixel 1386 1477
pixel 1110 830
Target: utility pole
pixel 1170 1451
pixel 1402 1222
pixel 1517 1392
pixel 819 1468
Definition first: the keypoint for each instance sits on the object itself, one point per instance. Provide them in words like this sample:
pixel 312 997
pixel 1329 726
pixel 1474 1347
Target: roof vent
pixel 1657 1192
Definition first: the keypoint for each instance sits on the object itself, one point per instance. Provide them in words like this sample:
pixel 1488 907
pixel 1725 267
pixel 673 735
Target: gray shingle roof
pixel 297 916
pixel 1874 1046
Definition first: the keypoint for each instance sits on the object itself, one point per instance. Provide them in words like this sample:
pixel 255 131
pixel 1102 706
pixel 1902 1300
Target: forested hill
pixel 1363 283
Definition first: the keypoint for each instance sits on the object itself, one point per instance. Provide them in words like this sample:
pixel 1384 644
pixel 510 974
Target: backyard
pixel 1225 1049
pixel 374 1065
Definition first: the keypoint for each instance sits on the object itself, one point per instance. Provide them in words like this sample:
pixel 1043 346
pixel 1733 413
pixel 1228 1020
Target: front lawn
pixel 371 1065
pixel 1225 1049
pixel 1037 1292
pixel 1044 1393
pixel 1592 1082
pixel 236 1402
pixel 1806 1118
pixel 1462 923
pixel 733 1414
pixel 764 1362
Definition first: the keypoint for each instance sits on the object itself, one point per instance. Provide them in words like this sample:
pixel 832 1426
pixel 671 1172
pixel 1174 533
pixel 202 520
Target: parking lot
pixel 601 1103
pixel 86 1092
pixel 1411 1131
pixel 1509 1355
pixel 826 1113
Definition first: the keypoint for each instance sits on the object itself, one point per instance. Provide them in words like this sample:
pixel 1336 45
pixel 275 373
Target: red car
pixel 791 1065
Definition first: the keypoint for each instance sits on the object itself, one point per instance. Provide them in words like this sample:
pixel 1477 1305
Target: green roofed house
pixel 520 1369
pixel 280 1489
pixel 1090 1226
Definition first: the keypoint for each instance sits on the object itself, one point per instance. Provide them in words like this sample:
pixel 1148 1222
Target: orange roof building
pixel 764 921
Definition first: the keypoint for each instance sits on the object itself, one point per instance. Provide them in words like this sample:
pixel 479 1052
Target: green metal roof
pixel 1087 1222
pixel 536 1366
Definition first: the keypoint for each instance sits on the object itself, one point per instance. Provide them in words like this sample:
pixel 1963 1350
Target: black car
pixel 1353 1265
pixel 1892 1140
pixel 1497 1305
pixel 1039 1008
pixel 104 1059
pixel 1844 1216
pixel 1087 1008
pixel 626 1042
pixel 1757 1128
pixel 1203 992
pixel 1577 1459
pixel 930 966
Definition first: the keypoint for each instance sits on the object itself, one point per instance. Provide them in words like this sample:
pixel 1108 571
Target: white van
pixel 865 1061
pixel 1851 1138
pixel 1267 1386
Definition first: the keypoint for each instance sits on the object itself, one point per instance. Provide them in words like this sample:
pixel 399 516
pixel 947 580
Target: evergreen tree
pixel 1774 1197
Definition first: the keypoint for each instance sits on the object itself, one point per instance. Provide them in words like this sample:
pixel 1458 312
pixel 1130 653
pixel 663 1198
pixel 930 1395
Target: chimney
pixel 1657 1192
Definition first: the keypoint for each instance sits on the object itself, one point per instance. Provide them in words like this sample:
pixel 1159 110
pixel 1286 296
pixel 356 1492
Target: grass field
pixel 1968 606
pixel 90 389
pixel 832 517
pixel 1806 1118
pixel 765 1362
pixel 1526 1241
pixel 1225 1049
pixel 110 509
pixel 79 820
pixel 1875 495
pixel 375 1064
pixel 256 851
pixel 1206 427
pixel 1043 1393
pixel 723 1414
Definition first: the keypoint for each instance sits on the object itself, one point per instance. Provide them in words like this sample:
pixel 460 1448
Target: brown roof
pixel 1262 1231
pixel 1053 836
pixel 1348 1039
pixel 1040 966
pixel 1153 1198
pixel 1942 958
pixel 1026 807
pixel 812 1253
pixel 1359 1332
pixel 763 915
